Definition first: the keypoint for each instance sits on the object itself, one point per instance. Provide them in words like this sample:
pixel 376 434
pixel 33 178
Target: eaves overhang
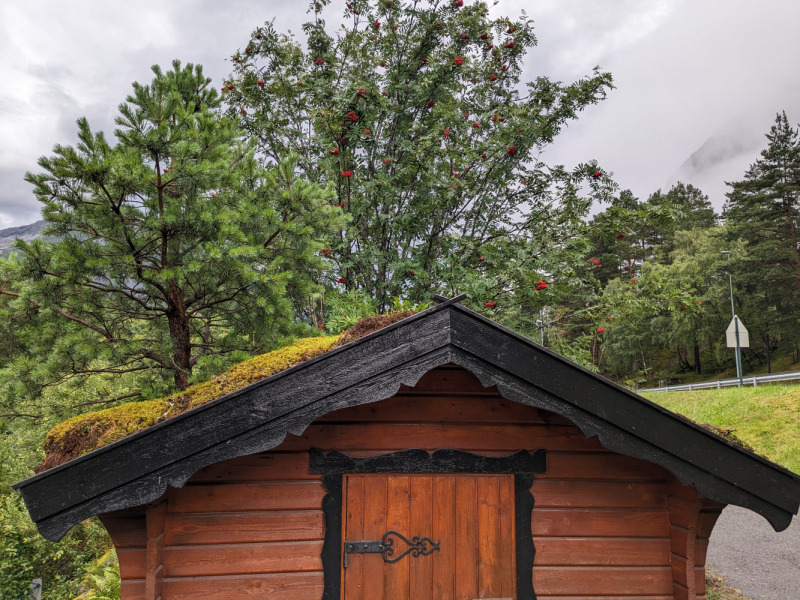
pixel 137 469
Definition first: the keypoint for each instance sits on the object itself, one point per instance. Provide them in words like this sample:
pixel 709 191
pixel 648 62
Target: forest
pixel 353 173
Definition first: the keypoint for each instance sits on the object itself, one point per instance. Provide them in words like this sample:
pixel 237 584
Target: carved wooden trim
pixel 138 469
pixel 332 466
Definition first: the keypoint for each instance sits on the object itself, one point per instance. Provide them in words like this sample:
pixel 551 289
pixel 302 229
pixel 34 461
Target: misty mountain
pixel 25 232
pixel 724 156
pixel 716 150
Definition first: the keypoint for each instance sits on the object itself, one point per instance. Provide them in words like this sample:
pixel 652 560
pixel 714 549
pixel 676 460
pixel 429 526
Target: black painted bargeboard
pixel 137 469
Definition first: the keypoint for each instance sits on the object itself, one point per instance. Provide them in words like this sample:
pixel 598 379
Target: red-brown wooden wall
pixel 604 525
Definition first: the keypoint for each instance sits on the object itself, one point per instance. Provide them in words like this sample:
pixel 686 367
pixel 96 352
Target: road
pixel 763 564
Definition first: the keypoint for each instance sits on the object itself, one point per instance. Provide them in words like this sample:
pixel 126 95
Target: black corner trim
pixel 453 300
pixel 332 466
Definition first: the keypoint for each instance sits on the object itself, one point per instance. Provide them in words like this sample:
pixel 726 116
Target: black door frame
pixel 333 466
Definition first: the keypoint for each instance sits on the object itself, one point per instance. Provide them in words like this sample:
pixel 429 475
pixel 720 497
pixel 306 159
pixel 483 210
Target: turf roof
pixel 89 431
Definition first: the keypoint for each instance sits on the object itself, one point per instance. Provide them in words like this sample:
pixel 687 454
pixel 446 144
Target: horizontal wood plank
pixel 237 528
pixel 607 465
pixel 246 497
pixel 680 539
pixel 266 466
pixel 132 563
pixel 467 437
pixel 681 592
pixel 126 531
pixel 598 494
pixel 282 586
pixel 132 589
pixel 576 581
pixel 438 409
pixel 700 579
pixel 683 512
pixel 594 551
pixel 670 597
pixel 238 559
pixel 700 551
pixel 588 522
pixel 448 379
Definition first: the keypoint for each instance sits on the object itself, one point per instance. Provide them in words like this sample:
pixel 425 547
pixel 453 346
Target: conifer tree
pixel 688 208
pixel 763 209
pixel 174 245
pixel 415 111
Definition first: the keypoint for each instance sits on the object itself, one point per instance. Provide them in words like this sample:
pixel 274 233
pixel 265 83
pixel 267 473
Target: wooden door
pixel 470 516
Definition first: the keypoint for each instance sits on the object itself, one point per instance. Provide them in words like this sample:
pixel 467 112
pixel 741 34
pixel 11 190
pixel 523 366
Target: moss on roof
pixel 90 431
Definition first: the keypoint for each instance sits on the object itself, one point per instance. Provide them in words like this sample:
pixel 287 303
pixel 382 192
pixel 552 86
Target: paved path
pixel 763 564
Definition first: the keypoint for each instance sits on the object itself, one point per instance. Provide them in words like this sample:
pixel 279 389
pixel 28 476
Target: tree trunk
pixel 644 362
pixel 793 235
pixel 769 362
pixel 683 359
pixel 180 334
pixel 697 368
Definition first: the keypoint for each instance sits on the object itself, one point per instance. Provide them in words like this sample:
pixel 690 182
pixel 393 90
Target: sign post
pixel 737 337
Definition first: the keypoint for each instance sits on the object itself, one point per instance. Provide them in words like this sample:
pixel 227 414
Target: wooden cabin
pixel 443 457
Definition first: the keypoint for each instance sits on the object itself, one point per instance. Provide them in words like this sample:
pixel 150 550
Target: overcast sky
pixel 698 82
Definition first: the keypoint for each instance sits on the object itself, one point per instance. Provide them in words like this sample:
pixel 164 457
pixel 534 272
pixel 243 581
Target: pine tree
pixel 689 208
pixel 764 207
pixel 763 210
pixel 174 245
pixel 415 112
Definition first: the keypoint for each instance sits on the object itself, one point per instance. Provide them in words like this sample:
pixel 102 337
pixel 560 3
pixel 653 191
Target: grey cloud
pixel 722 147
pixel 725 156
pixel 683 71
pixel 17 205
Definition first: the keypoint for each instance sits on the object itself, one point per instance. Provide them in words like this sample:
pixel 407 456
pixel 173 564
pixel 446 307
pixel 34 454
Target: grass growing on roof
pixel 766 417
pixel 90 431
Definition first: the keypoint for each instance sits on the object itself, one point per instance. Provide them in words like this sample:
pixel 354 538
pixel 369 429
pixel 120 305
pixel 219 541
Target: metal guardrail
pixel 750 380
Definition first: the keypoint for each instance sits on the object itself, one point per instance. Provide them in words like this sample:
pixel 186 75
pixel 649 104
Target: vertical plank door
pixel 470 516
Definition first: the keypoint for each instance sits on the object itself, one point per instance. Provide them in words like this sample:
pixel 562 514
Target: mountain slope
pixel 25 232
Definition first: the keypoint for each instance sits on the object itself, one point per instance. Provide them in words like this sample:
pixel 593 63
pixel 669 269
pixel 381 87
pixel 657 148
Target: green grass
pixel 766 417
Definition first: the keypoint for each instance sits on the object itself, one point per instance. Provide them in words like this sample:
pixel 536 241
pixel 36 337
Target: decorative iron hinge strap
pixel 416 546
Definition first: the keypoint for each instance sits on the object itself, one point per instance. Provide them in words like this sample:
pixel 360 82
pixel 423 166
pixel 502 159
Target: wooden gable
pixel 138 469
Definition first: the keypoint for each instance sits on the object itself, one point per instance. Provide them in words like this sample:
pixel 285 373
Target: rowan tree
pixel 173 245
pixel 415 112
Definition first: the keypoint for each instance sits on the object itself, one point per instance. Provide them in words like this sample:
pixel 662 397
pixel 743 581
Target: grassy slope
pixel 766 417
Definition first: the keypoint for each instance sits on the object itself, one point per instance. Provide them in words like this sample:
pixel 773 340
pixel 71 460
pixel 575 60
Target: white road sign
pixel 730 334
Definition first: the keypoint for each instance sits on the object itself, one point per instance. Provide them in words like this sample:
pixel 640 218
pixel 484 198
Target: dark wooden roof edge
pixel 629 413
pixel 228 397
pixel 616 439
pixel 618 388
pixel 269 409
